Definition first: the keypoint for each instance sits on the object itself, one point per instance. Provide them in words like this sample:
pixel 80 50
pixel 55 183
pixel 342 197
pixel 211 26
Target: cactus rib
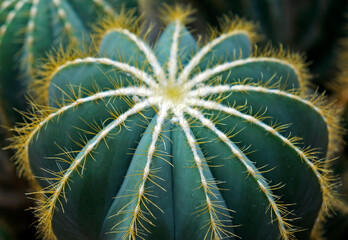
pixel 127 25
pixel 5 4
pixel 216 226
pixel 35 128
pixel 206 49
pixel 285 228
pixel 151 58
pixel 137 215
pixel 29 60
pixel 315 165
pixel 64 19
pixel 172 62
pixel 209 73
pixel 57 190
pixel 138 73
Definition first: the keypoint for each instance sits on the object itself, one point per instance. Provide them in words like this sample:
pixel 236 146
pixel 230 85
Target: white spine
pixel 264 188
pixel 150 56
pixel 163 112
pixel 139 74
pixel 209 73
pixel 206 49
pixel 173 59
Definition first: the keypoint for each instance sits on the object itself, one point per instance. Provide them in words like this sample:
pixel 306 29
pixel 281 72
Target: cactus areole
pixel 182 140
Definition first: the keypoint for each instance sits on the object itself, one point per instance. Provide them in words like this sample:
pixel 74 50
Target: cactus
pixel 29 28
pixel 185 140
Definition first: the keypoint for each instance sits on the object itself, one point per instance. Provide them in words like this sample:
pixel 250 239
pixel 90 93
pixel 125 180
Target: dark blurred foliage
pixel 16 220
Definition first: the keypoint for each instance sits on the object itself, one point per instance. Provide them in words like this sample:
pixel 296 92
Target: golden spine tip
pixel 332 115
pixel 178 12
pixel 228 24
pixel 21 140
pixel 54 59
pixel 297 60
pixel 126 19
pixel 22 136
pixel 329 182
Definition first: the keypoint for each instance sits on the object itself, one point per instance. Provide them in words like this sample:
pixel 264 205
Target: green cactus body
pixel 178 141
pixel 29 28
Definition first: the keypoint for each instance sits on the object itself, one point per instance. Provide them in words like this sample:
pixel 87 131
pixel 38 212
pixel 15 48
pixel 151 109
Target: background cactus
pixel 182 141
pixel 29 28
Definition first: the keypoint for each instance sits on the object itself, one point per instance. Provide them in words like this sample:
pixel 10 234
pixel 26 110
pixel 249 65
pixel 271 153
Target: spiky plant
pixel 29 28
pixel 184 140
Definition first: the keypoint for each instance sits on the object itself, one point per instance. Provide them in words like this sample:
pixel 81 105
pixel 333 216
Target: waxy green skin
pixel 102 192
pixel 30 28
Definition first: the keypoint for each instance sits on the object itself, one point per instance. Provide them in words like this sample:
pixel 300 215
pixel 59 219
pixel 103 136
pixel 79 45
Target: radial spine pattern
pixel 179 141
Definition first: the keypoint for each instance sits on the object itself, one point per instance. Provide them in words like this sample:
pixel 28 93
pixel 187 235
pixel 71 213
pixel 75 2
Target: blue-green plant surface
pixel 182 140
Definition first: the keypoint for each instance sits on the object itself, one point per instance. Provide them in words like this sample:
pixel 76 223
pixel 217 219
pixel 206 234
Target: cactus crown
pixel 191 129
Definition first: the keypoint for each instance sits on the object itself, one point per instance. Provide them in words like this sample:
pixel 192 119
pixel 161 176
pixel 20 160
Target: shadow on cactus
pixel 184 140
